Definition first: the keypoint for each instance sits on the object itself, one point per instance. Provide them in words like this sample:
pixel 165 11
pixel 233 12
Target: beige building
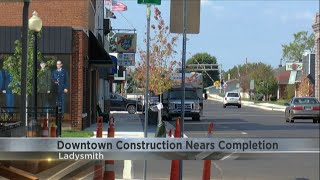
pixel 316 28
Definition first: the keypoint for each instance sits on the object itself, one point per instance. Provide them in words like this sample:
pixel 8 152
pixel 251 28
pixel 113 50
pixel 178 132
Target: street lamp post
pixel 35 25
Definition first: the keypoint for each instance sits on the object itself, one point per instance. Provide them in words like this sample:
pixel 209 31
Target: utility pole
pixel 220 74
pixel 184 49
pixel 239 77
pixel 146 105
pixel 24 64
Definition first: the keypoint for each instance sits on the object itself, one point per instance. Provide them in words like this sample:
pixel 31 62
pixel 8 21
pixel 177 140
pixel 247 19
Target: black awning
pixel 98 56
pixel 52 39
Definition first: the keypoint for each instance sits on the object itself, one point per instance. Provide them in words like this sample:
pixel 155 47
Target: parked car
pixel 120 103
pixel 232 99
pixel 302 108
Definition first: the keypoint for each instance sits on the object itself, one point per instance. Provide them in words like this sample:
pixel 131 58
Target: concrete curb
pixel 267 108
pixel 250 104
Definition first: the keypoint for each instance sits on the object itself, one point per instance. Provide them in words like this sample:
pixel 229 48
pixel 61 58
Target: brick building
pixel 71 33
pixel 316 28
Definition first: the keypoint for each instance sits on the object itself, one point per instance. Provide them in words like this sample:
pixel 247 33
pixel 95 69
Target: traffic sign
pixel 251 84
pixel 151 2
pixel 217 83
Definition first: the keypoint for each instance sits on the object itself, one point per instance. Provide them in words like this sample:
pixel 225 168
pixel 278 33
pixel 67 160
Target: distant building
pixel 72 32
pixel 286 77
pixel 316 28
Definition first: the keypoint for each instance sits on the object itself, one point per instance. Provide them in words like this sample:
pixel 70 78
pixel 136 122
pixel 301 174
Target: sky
pixel 233 30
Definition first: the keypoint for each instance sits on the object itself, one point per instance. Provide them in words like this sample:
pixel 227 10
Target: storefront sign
pixel 126 42
pixel 126 59
pixel 294 66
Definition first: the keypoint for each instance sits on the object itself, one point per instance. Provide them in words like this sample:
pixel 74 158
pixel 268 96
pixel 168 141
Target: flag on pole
pixel 108 3
pixel 118 6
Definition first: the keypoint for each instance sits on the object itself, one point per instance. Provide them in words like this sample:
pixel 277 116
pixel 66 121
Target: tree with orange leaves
pixel 305 87
pixel 162 50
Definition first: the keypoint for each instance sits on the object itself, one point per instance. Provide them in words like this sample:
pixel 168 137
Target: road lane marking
pixel 198 123
pixel 226 157
pixel 219 169
pixel 218 133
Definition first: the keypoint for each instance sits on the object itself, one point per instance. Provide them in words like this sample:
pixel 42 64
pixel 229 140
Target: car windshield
pixel 116 96
pixel 178 95
pixel 305 101
pixel 233 95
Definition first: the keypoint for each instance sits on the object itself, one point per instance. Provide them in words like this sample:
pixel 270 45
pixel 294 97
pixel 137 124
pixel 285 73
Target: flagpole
pixel 146 109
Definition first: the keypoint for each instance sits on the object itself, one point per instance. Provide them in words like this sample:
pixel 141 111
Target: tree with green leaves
pixel 208 76
pixel 12 64
pixel 294 50
pixel 262 74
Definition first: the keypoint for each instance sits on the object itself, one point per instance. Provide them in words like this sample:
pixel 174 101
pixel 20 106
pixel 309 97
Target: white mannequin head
pixel 42 65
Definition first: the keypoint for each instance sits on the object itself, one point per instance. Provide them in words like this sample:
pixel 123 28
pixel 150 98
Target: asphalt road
pixel 248 122
pixel 244 122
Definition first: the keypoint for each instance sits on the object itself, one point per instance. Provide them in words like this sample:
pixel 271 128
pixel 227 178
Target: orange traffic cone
pixel 45 128
pixel 206 174
pixel 99 127
pixel 53 130
pixel 98 175
pixel 177 131
pixel 109 164
pixel 175 165
pixel 111 127
pixel 174 175
pixel 109 170
pixel 170 133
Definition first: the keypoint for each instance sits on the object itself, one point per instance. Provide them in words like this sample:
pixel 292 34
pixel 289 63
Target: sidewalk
pixel 127 126
pixel 265 106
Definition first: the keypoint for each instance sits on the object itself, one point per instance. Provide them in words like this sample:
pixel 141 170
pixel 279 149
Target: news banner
pixel 146 148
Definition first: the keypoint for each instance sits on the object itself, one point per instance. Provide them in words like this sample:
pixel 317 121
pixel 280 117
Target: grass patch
pixel 80 134
pixel 278 102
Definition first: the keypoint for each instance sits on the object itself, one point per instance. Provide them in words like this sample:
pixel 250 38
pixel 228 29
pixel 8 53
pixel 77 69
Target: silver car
pixel 303 108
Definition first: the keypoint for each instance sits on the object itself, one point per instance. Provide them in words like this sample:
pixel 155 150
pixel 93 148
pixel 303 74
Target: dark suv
pixel 120 103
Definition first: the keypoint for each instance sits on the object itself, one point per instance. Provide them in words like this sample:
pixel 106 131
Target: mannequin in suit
pixel 60 79
pixel 1 85
pixel 8 91
pixel 44 85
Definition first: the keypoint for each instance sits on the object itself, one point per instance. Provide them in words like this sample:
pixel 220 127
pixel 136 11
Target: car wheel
pixel 290 118
pixel 286 118
pixel 314 120
pixel 131 109
pixel 239 106
pixel 224 106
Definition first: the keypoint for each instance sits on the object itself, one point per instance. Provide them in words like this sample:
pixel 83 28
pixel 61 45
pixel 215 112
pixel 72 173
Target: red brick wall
pixel 80 47
pixel 52 13
pixel 316 28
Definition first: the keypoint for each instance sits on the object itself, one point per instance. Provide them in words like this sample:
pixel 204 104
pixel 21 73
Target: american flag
pixel 118 6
